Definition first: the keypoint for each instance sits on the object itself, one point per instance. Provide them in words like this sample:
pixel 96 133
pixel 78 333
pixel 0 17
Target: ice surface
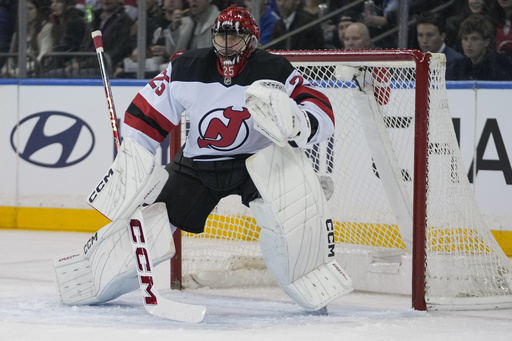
pixel 30 308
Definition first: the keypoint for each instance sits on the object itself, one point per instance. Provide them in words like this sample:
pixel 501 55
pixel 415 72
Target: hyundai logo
pixel 52 139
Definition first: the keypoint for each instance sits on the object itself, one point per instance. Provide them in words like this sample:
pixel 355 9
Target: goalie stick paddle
pixel 154 303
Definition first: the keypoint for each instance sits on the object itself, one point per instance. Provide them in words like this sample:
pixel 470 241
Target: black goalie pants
pixel 194 188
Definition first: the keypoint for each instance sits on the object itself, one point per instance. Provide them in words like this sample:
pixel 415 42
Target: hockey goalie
pixel 250 114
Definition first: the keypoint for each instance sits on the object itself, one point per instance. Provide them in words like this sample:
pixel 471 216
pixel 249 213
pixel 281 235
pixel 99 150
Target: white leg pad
pixel 296 238
pixel 290 251
pixel 104 268
pixel 319 287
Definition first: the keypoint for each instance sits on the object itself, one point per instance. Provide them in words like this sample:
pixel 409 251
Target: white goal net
pixel 395 184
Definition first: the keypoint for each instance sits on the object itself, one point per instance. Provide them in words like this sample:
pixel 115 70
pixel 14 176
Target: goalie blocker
pixel 135 178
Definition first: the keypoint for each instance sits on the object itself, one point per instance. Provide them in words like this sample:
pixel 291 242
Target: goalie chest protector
pixel 220 124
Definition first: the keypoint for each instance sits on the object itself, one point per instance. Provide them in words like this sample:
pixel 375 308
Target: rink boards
pixel 56 142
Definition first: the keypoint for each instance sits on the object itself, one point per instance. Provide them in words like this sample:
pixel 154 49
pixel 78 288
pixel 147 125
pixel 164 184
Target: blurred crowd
pixel 475 35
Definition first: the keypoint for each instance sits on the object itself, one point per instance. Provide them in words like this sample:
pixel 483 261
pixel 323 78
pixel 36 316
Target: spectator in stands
pixel 68 31
pixel 131 8
pixel 82 4
pixel 504 28
pixel 311 6
pixel 268 21
pixel 380 18
pixel 116 28
pixel 68 26
pixel 430 32
pixel 194 30
pixel 357 37
pixel 384 17
pixel 482 61
pixel 172 11
pixel 39 41
pixel 269 15
pixel 329 26
pixel 169 7
pixel 7 21
pixel 346 18
pixel 293 17
pixel 483 7
pixel 155 24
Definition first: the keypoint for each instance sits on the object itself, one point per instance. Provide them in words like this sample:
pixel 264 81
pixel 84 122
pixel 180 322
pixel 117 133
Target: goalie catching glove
pixel 276 115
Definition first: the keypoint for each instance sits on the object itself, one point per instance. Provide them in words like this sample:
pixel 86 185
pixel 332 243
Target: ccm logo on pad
pixel 100 186
pixel 330 237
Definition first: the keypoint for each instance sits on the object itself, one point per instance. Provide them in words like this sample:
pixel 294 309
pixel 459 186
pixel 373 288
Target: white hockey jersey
pixel 220 125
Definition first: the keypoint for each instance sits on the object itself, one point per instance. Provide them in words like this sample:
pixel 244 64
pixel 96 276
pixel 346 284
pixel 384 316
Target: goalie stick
pixel 154 303
pixel 98 43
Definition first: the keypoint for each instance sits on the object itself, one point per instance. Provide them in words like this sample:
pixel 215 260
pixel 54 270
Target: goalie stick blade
pixel 154 303
pixel 176 311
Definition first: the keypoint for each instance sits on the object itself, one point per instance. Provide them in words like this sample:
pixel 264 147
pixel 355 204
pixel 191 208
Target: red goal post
pixel 408 176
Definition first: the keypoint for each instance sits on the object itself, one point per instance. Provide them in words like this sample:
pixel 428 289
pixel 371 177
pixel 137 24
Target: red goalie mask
pixel 235 36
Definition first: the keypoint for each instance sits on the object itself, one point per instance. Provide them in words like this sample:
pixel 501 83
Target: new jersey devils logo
pixel 223 129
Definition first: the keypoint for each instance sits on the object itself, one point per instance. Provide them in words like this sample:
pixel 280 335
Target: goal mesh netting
pixel 379 190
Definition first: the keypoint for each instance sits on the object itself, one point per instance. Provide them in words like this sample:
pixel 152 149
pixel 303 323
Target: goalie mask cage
pixel 405 216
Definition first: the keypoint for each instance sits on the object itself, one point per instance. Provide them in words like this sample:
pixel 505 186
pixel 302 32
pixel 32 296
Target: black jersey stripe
pixel 162 121
pixel 307 94
pixel 140 120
